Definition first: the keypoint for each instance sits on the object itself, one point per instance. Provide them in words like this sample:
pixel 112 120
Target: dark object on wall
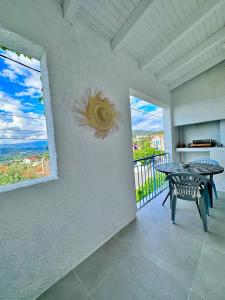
pixel 181 145
pixel 202 143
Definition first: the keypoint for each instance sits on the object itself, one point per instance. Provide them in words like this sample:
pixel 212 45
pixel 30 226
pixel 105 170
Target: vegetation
pixel 45 155
pixel 144 150
pixel 17 52
pixel 17 170
pixel 151 185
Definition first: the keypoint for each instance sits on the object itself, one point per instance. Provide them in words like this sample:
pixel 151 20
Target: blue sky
pixel 21 114
pixel 151 119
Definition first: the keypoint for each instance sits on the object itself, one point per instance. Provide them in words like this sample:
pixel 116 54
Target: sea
pixel 9 151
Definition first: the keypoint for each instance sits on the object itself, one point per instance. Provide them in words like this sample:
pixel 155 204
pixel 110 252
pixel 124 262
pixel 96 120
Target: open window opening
pixel 148 142
pixel 27 154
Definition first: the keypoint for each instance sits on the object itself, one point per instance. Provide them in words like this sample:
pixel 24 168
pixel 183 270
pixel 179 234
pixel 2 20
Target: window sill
pixel 11 187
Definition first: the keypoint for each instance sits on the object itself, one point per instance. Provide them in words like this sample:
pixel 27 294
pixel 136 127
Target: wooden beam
pixel 195 19
pixel 122 34
pixel 202 48
pixel 188 76
pixel 70 8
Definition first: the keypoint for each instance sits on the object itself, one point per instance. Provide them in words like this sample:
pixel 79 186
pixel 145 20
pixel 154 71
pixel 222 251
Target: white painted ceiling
pixel 175 40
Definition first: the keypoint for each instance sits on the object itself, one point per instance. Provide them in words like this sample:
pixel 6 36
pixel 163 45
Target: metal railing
pixel 148 182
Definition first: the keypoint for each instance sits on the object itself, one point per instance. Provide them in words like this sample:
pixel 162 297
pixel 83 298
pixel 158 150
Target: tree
pixel 145 150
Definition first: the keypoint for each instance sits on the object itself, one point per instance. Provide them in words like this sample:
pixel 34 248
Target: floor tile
pixel 209 278
pixel 137 278
pixel 219 203
pixel 68 288
pixel 194 296
pixel 154 212
pixel 216 234
pixel 187 216
pixel 153 259
pixel 173 250
pixel 98 265
pixel 135 231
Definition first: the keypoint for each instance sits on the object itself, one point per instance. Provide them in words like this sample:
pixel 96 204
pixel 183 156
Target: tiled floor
pixel 153 259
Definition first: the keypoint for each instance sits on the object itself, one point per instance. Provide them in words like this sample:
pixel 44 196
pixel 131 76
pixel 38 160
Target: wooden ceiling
pixel 175 40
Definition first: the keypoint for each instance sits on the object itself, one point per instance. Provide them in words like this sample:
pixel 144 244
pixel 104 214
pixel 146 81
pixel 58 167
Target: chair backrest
pixel 187 186
pixel 208 161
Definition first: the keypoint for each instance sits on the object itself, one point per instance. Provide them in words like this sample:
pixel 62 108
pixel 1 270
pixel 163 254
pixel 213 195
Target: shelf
pixel 202 149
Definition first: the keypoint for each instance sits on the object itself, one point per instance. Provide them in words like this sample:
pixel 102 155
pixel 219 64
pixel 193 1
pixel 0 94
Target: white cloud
pixel 145 115
pixel 28 78
pixel 8 74
pixel 151 121
pixel 138 103
pixel 14 123
pixel 33 63
pixel 9 104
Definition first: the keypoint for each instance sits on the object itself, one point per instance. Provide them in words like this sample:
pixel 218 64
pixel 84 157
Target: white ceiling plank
pixel 202 48
pixel 140 10
pixel 202 68
pixel 195 19
pixel 70 8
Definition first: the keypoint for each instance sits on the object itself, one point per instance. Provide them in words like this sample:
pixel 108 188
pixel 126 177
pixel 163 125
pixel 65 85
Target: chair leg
pixel 206 200
pixel 210 194
pixel 173 208
pixel 203 214
pixel 198 208
pixel 214 189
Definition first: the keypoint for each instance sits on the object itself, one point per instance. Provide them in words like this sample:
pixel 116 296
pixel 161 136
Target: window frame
pixel 24 46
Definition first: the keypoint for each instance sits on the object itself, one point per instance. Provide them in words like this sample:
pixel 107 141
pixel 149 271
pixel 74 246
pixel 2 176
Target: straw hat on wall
pixel 97 111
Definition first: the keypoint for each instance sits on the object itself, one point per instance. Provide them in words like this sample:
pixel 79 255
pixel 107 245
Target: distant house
pixel 140 136
pixel 31 160
pixel 157 141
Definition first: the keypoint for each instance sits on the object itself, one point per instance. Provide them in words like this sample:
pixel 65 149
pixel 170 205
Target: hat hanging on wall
pixel 97 111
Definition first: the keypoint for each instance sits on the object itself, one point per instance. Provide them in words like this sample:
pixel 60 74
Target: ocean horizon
pixel 8 151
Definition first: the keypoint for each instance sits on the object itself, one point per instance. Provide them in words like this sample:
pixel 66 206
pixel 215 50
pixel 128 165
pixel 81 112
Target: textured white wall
pixel 46 230
pixel 207 130
pixel 201 99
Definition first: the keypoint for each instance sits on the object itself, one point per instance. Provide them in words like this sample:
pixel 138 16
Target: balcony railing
pixel 148 182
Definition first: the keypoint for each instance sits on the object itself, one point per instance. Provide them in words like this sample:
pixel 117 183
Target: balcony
pixel 83 235
pixel 149 183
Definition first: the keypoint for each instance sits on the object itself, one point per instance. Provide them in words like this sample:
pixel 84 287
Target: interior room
pixel 75 220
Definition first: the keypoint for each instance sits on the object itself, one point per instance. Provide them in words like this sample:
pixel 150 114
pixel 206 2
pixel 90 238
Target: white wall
pixel 201 99
pixel 46 230
pixel 207 130
pixel 198 102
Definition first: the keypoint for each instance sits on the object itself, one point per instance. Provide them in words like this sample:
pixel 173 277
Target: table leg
pixel 167 196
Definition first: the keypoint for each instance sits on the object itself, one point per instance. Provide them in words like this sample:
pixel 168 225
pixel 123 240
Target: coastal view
pixel 24 151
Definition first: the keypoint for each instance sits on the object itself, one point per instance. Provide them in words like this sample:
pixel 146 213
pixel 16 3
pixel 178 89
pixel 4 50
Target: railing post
pixel 154 179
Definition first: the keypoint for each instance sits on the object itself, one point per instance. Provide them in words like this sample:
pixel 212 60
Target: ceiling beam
pixel 202 48
pixel 188 76
pixel 195 19
pixel 122 34
pixel 70 8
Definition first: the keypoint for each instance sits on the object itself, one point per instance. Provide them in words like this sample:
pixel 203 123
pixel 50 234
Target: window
pixel 27 153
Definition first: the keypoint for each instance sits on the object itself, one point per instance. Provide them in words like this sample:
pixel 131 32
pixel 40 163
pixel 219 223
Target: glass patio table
pixel 198 168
